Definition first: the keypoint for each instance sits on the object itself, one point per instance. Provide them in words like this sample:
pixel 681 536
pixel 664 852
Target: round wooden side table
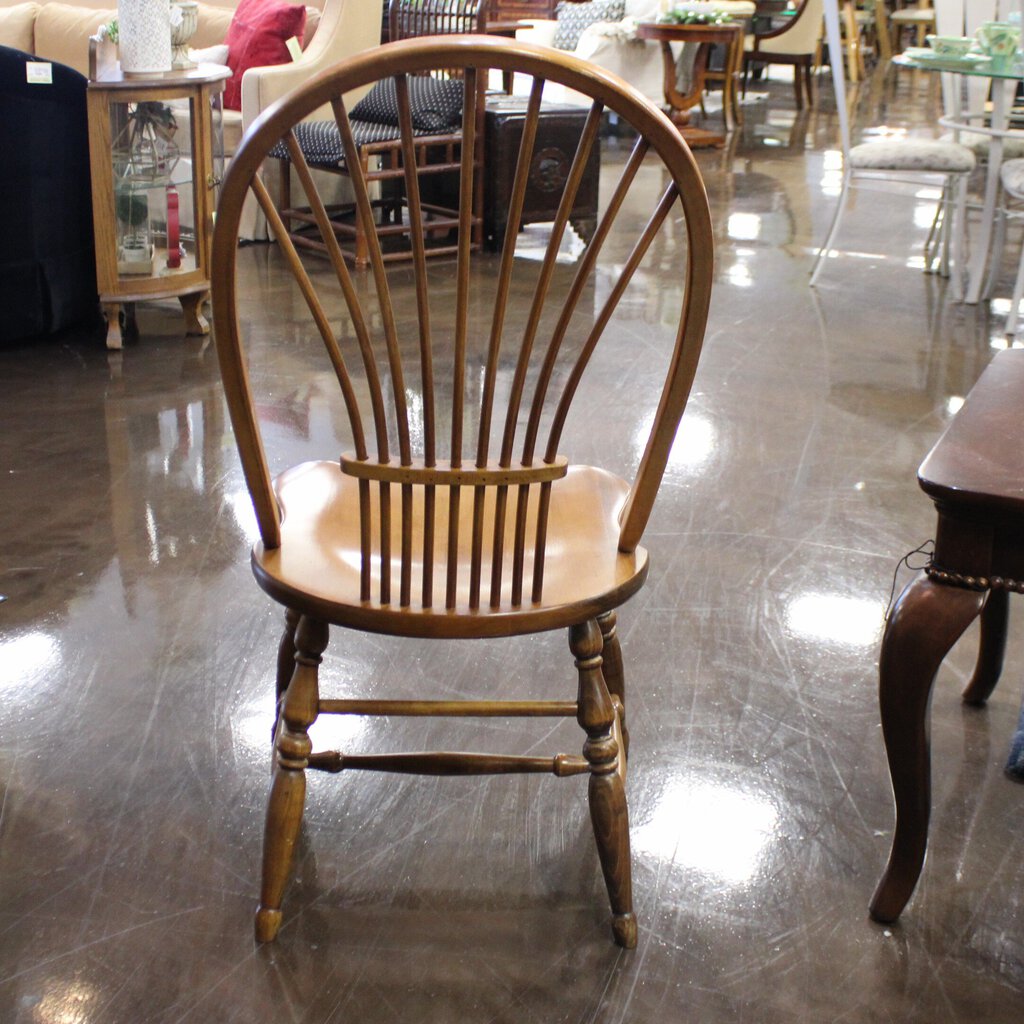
pixel 729 35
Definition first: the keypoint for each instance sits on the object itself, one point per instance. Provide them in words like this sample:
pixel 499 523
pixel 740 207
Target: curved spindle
pixel 583 271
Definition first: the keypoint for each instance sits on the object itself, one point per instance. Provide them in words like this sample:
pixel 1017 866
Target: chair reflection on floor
pixel 454 515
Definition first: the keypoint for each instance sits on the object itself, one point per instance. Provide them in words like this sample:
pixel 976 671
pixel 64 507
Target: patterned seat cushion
pixel 979 145
pixel 435 103
pixel 1012 175
pixel 574 19
pixel 913 15
pixel 926 155
pixel 320 141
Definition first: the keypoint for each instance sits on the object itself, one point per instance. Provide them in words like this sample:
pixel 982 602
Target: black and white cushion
pixel 574 19
pixel 435 103
pixel 320 141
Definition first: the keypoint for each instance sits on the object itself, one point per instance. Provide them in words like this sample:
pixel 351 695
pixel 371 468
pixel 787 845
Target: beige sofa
pixel 60 31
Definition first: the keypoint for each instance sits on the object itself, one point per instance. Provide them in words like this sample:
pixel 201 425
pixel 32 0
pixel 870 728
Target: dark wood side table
pixel 151 153
pixel 729 35
pixel 558 134
pixel 974 475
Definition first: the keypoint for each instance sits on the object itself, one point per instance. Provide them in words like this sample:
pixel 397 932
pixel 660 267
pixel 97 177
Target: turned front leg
pixel 288 789
pixel 607 792
pixel 926 621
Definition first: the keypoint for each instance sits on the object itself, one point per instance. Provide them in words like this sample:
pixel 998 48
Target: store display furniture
pixel 153 188
pixel 454 515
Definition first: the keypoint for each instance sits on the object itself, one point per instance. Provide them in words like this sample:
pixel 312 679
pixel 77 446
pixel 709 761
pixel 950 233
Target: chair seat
pixel 1012 175
pixel 317 567
pixel 926 155
pixel 320 141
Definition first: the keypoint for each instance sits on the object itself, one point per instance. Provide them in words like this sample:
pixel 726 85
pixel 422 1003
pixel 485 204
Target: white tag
pixel 293 47
pixel 38 72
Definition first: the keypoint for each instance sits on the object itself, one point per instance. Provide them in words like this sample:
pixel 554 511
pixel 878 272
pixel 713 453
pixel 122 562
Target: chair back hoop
pixel 536 397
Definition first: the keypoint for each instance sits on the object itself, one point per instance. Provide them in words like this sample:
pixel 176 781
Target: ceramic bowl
pixel 950 46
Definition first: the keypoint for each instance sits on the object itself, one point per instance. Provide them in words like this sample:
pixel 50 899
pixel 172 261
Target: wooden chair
pixel 379 149
pixel 794 42
pixel 454 515
pixel 973 475
pixel 919 18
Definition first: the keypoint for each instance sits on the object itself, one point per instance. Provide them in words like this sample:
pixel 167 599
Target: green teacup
pixel 998 39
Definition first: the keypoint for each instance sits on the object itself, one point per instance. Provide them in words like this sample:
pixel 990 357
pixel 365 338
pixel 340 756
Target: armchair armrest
pixel 540 32
pixel 346 27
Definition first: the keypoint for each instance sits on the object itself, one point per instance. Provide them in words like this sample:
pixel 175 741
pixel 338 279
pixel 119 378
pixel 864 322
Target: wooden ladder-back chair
pixel 436 102
pixel 454 515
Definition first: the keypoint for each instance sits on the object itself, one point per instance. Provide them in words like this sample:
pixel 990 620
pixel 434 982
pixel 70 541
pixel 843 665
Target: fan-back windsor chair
pixel 430 527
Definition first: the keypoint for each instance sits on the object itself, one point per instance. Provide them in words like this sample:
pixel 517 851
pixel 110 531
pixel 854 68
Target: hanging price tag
pixel 38 72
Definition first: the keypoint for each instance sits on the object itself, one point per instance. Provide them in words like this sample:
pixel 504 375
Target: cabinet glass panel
pixel 154 187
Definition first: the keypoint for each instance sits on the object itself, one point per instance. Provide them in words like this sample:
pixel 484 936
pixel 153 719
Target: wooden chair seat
pixel 975 476
pixel 317 568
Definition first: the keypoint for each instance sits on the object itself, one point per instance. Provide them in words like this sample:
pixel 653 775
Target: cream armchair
pixel 614 46
pixel 346 27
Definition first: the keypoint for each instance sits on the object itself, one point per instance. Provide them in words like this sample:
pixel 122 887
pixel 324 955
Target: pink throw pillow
pixel 257 37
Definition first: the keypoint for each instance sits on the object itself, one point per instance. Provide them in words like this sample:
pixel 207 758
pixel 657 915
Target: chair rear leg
pixel 833 230
pixel 285 664
pixel 1018 294
pixel 611 668
pixel 288 789
pixel 607 791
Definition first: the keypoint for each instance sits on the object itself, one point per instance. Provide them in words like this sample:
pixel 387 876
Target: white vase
pixel 183 31
pixel 144 36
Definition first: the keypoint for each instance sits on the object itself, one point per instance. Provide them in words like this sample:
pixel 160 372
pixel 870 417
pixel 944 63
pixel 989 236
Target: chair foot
pixel 268 924
pixel 624 930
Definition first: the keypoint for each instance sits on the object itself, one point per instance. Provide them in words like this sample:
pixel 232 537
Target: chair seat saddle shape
pixel 319 557
pixel 455 508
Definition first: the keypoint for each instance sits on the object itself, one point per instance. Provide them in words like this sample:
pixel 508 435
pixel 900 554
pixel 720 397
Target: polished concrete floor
pixel 136 666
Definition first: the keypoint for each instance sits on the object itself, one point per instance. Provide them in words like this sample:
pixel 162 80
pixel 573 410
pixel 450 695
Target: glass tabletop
pixel 979 67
